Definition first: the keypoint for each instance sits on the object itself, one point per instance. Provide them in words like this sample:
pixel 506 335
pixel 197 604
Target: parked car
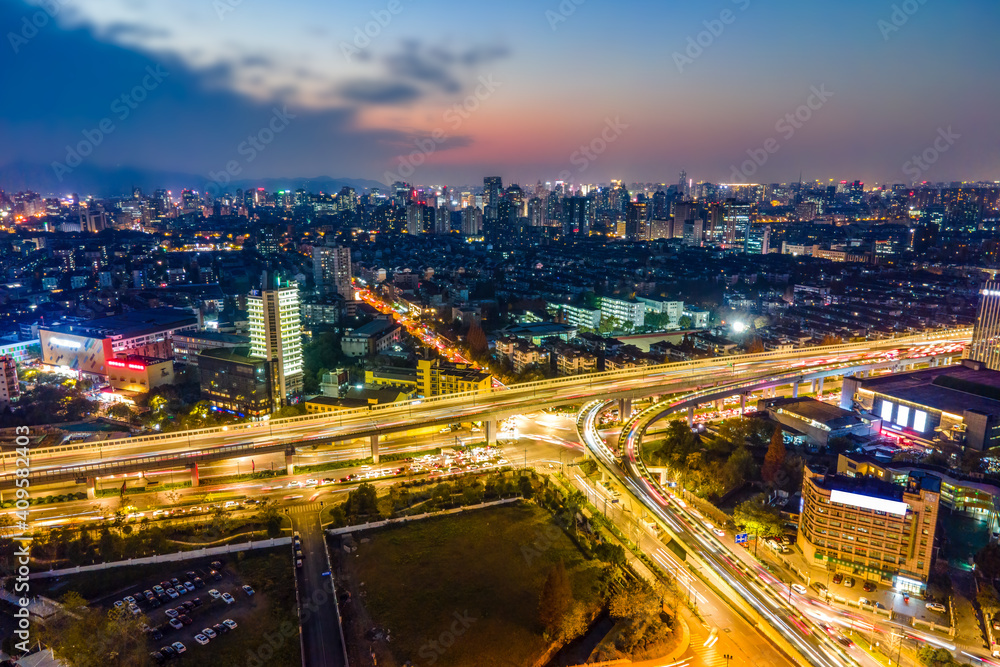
pixel 157 657
pixel 247 590
pixel 185 619
pixel 172 613
pixel 201 639
pixel 179 647
pixel 298 562
pixel 838 578
pixel 220 628
pixel 168 651
pixel 864 601
pixel 196 602
pixel 996 621
pixel 210 633
pixel 936 607
pixel 198 582
pixel 176 624
pixel 172 592
pixel 870 586
pixel 230 623
pixel 849 582
pixel 799 588
pixel 227 598
pixel 820 587
pixel 215 594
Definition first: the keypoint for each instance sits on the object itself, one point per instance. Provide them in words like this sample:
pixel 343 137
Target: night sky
pixel 621 77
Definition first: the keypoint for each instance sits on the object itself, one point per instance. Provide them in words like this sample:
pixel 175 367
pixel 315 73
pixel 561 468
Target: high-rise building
pixel 492 192
pixel 472 221
pixel 636 216
pixel 332 270
pixel 276 332
pixel 9 387
pixel 577 215
pixel 737 217
pixel 758 240
pixel 985 345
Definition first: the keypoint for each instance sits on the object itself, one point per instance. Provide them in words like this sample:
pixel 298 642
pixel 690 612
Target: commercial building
pixel 431 378
pixel 233 381
pixel 276 333
pixel 581 318
pixel 819 422
pixel 356 398
pixel 9 387
pixel 871 528
pixel 954 404
pixel 139 374
pixel 22 351
pixel 86 346
pixel 633 312
pixel 371 339
pixel 188 345
pixel 985 345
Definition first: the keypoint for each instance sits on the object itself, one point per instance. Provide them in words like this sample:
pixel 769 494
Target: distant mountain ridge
pixel 116 182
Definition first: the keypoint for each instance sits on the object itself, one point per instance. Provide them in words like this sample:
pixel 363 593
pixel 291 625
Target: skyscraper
pixel 276 333
pixel 492 191
pixel 985 345
pixel 332 270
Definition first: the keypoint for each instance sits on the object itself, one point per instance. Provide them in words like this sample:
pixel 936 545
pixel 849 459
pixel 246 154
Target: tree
pixel 754 517
pixel 775 457
pixel 556 598
pixel 685 322
pixel 988 561
pixel 754 346
pixel 93 637
pixel 740 467
pixel 987 597
pixel 269 515
pixel 476 340
pixel 362 501
pixel 121 411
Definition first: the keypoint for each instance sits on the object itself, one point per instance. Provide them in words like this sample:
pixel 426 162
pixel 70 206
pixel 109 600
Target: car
pixel 168 651
pixel 844 641
pixel 179 647
pixel 134 608
pixel 174 581
pixel 185 619
pixel 247 590
pixel 227 598
pixel 156 634
pixel 188 605
pixel 216 576
pixel 129 599
pixel 119 604
pixel 298 562
pixel 201 639
pixel 190 574
pixel 864 601
pixel 849 582
pixel 215 594
pixel 176 624
pixel 198 582
pixel 878 605
pixel 148 594
pixel 196 602
pixel 210 633
pixel 838 578
pixel 216 564
pixel 298 553
pixel 155 602
pixel 157 589
pixel 996 621
pixel 220 628
pixel 172 593
pixel 719 532
pixel 799 588
pixel 230 623
pixel 936 607
pixel 820 587
pixel 172 613
pixel 164 585
pixel 157 656
pixel 870 586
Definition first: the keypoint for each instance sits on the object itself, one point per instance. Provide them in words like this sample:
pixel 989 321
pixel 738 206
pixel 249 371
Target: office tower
pixel 276 333
pixel 414 218
pixel 515 196
pixel 332 270
pixel 985 346
pixel 636 216
pixel 683 191
pixel 661 210
pixel 269 240
pixel 492 192
pixel 758 240
pixel 577 215
pixel 536 212
pixel 737 217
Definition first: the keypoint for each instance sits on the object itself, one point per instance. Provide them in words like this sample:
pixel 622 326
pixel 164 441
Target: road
pixel 321 430
pixel 320 622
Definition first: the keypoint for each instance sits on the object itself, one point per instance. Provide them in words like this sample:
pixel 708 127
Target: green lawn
pixel 421 578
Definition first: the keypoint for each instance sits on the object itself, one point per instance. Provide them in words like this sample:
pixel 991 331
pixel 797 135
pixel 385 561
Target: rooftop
pixel 128 325
pixel 818 411
pixel 239 355
pixel 954 389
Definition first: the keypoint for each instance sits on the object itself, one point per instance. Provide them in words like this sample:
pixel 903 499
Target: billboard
pixel 869 502
pixel 79 353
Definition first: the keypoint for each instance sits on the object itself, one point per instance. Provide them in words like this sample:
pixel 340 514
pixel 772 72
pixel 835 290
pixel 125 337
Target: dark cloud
pixel 425 66
pixel 378 92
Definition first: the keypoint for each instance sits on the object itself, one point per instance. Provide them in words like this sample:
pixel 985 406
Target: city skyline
pixel 707 89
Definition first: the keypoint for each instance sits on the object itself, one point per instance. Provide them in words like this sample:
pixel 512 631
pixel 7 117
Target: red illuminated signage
pixel 117 364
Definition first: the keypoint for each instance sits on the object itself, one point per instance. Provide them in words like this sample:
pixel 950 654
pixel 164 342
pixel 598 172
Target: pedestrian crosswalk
pixel 305 509
pixel 706 649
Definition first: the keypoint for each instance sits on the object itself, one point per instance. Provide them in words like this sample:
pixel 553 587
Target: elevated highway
pixel 167 450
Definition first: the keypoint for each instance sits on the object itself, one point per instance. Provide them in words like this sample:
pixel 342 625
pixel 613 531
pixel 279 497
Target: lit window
pixel 902 415
pixel 919 420
pixel 887 410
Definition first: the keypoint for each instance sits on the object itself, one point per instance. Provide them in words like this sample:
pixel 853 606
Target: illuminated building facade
pixel 276 333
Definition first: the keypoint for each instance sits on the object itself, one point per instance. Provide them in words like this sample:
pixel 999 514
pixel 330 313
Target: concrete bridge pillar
pixel 691 416
pixel 819 386
pixel 812 386
pixel 743 403
pixel 91 488
pixel 490 428
pixel 663 478
pixel 795 389
pixel 719 405
pixel 194 475
pixel 625 409
pixel 290 460
pixel 374 446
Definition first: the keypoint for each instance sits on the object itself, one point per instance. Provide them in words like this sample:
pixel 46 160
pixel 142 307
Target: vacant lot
pixel 461 590
pixel 257 639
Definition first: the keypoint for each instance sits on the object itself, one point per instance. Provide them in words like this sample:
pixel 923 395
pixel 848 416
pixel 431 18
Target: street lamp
pixel 728 658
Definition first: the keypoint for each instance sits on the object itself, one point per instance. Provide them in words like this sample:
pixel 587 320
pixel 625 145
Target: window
pixel 919 420
pixel 887 410
pixel 902 415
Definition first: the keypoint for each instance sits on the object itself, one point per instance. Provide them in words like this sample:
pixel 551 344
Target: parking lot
pixel 189 607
